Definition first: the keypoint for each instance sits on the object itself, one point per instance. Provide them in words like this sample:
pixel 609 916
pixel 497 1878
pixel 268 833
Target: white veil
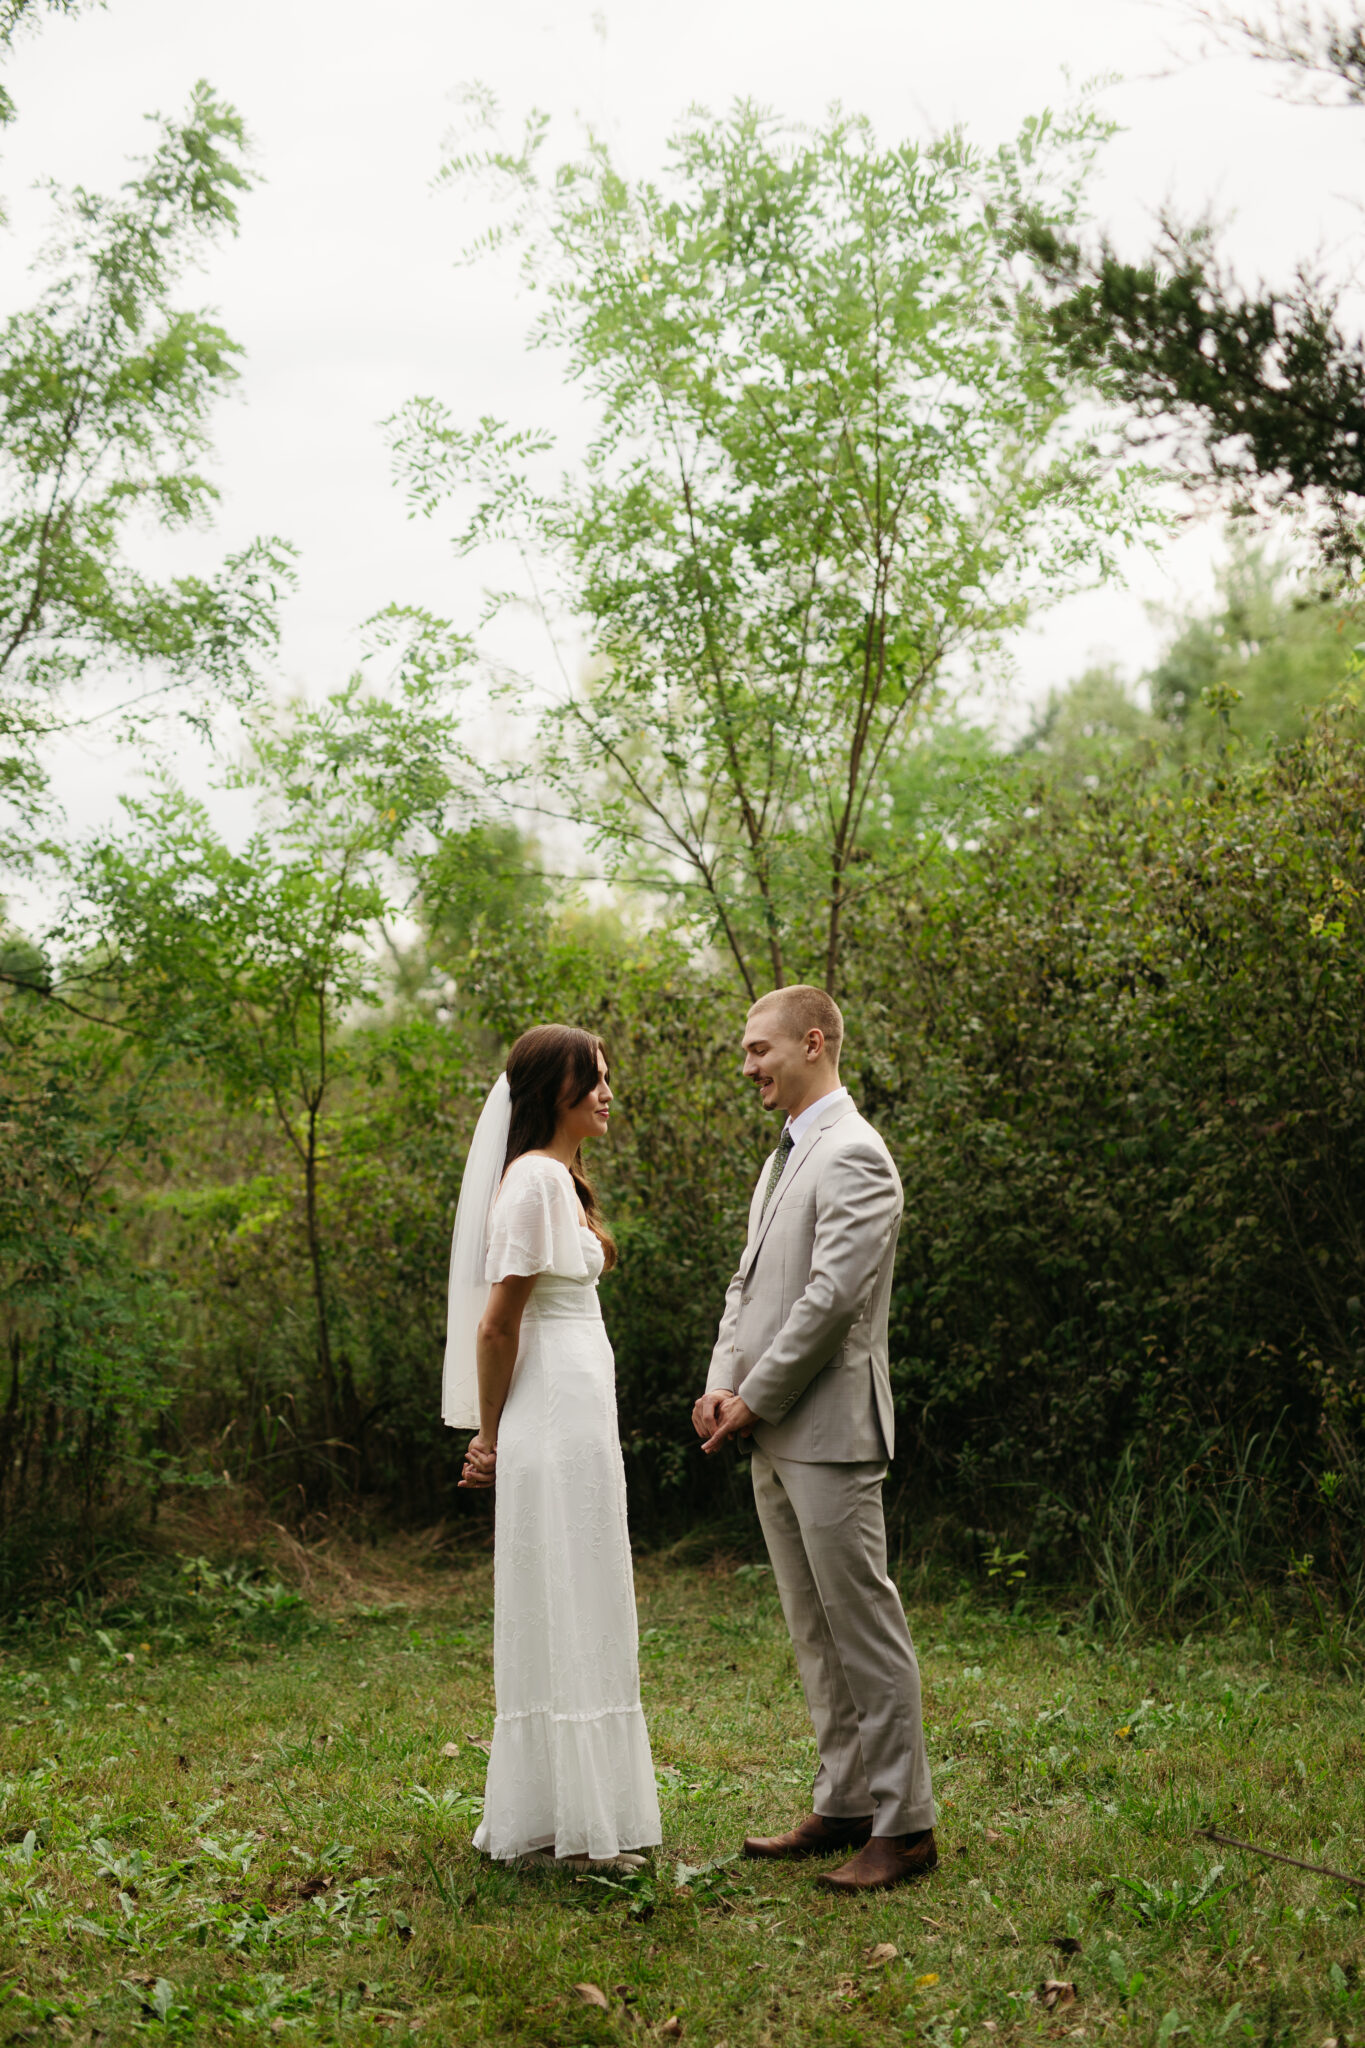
pixel 469 1256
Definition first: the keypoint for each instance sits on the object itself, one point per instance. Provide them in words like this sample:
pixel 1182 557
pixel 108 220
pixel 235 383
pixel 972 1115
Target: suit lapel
pixel 807 1144
pixel 746 1257
pixel 756 1199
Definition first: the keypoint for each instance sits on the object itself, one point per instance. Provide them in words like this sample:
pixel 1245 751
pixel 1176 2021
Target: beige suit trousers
pixel 826 1536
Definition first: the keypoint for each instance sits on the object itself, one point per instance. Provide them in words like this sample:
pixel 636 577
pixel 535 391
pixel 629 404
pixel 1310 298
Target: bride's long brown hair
pixel 550 1067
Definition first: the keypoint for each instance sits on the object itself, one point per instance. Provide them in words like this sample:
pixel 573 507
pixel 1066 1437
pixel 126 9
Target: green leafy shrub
pixel 1117 1043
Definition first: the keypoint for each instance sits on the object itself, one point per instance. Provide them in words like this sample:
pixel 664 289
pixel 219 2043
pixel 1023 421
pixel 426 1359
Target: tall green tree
pixel 833 456
pixel 1091 730
pixel 1273 647
pixel 253 961
pixel 1256 390
pixel 106 391
pixel 1248 671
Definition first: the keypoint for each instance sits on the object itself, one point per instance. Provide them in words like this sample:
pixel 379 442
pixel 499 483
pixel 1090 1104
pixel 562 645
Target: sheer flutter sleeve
pixel 535 1227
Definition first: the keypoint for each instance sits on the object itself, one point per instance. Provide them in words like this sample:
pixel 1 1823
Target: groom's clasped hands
pixel 718 1417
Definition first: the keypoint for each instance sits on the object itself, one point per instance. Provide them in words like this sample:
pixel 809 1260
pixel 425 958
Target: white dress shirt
pixel 801 1124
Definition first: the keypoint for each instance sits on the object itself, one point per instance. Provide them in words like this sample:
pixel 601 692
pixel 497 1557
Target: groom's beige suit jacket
pixel 804 1333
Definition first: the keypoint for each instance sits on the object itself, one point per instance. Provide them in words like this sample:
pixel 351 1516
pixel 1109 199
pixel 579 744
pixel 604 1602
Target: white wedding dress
pixel 570 1765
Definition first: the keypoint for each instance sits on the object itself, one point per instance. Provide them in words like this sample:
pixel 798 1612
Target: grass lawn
pixel 241 1814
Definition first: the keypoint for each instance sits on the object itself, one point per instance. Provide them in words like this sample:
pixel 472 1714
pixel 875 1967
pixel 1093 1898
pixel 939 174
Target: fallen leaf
pixel 450 1749
pixel 929 1977
pixel 992 1835
pixel 885 1952
pixel 592 1994
pixel 672 2027
pixel 1055 1994
pixel 483 1742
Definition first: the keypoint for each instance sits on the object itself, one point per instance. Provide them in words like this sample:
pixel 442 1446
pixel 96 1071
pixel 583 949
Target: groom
pixel 801 1365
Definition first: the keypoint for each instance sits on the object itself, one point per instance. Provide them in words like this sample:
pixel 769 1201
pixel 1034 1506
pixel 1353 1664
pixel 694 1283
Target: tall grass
pixel 1225 1532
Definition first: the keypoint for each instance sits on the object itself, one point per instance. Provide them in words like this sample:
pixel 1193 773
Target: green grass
pixel 236 1815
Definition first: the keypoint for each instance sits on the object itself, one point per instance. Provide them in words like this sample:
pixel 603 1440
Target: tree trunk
pixel 7 1423
pixel 834 939
pixel 326 1371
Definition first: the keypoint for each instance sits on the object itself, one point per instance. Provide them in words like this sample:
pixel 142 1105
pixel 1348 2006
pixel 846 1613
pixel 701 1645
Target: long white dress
pixel 571 1764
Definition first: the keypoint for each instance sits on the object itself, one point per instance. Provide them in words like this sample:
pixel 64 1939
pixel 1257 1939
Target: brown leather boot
pixel 818 1835
pixel 885 1861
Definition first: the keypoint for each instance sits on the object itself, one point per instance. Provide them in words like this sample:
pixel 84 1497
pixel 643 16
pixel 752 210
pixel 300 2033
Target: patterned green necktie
pixel 785 1146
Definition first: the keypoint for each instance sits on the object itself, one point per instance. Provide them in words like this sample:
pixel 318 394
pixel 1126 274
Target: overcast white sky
pixel 342 285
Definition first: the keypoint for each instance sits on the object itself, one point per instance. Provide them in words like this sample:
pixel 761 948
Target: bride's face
pixel 588 1118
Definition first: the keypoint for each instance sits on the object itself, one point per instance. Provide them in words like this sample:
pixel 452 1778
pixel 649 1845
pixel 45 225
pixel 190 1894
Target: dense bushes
pixel 90 1336
pixel 675 1178
pixel 1119 1050
pixel 1115 1040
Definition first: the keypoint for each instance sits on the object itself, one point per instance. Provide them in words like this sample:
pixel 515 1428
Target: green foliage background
pixel 1104 988
pixel 1114 1038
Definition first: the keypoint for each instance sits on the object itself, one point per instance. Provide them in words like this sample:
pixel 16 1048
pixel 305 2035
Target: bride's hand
pixel 480 1463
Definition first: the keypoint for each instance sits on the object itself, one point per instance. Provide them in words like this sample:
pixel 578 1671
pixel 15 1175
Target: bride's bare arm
pixel 499 1335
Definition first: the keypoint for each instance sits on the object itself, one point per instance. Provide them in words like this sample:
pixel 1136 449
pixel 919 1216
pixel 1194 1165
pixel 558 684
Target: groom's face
pixel 778 1063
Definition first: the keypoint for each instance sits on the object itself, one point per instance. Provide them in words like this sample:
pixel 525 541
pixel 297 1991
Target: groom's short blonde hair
pixel 803 1008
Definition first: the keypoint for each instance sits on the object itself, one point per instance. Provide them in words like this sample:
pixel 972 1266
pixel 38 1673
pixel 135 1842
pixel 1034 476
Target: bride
pixel 528 1359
